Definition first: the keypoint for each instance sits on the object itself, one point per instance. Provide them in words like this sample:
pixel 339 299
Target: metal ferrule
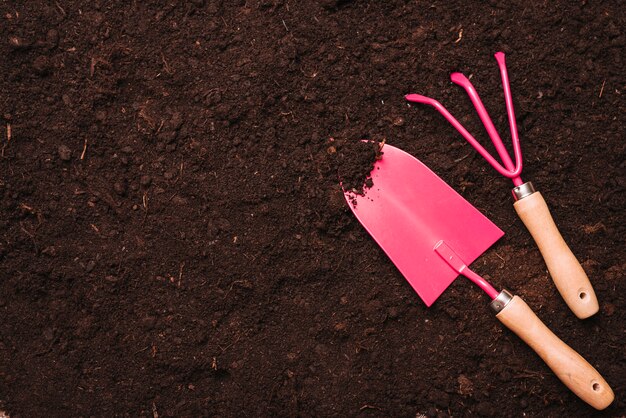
pixel 522 191
pixel 501 301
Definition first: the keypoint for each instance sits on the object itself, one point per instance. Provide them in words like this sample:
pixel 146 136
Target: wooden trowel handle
pixel 569 366
pixel 567 273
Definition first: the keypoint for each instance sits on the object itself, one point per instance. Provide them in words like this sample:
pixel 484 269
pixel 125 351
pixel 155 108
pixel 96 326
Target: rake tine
pixel 513 171
pixel 418 98
pixel 509 108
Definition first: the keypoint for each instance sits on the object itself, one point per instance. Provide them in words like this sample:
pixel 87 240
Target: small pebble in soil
pixel 341 326
pixel 64 152
pixel 120 187
pixel 466 387
pixel 145 180
pixel 42 65
pixel 90 266
pixel 48 334
pixel 179 201
pixel 393 312
pixel 52 38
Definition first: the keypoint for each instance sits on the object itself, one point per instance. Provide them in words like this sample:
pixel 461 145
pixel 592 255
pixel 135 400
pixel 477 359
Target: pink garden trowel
pixel 567 273
pixel 431 234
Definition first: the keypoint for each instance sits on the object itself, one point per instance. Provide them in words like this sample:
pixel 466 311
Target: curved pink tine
pixel 514 171
pixel 418 98
pixel 509 106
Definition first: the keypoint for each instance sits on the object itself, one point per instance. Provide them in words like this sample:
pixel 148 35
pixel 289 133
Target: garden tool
pixel 567 273
pixel 431 234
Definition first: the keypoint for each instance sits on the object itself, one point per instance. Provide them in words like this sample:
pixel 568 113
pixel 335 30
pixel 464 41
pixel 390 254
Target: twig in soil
pixel 341 259
pixel 530 374
pixel 82 155
pixel 47 349
pixel 27 208
pixel 166 66
pixel 366 406
pixel 142 350
pixel 602 88
pixel 32 237
pixel 460 37
pixel 236 282
pixel 145 207
pixel 231 344
pixel 56 3
pixel 458 160
pixel 293 118
pixel 94 62
pixel 180 273
pixel 143 114
pixel 274 387
pixel 285 25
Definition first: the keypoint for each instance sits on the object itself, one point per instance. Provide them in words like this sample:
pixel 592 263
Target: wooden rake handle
pixel 567 273
pixel 569 366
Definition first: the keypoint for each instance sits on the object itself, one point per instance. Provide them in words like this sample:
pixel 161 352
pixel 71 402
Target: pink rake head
pixel 509 170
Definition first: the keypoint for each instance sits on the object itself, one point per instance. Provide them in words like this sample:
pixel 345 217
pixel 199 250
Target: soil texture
pixel 174 240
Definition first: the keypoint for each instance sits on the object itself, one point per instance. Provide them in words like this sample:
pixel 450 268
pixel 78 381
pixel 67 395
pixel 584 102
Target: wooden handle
pixel 569 366
pixel 567 273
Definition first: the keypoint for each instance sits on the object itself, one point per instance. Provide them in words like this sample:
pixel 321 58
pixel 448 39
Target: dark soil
pixel 355 161
pixel 174 240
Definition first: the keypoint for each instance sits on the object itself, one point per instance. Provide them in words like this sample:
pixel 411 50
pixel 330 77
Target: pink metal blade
pixel 409 210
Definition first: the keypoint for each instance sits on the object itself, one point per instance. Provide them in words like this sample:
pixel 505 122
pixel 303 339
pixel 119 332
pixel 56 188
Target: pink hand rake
pixel 567 273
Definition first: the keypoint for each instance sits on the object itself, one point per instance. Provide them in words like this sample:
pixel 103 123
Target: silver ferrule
pixel 522 191
pixel 501 301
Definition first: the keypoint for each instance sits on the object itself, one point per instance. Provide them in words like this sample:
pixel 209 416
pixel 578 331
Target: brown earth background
pixel 174 242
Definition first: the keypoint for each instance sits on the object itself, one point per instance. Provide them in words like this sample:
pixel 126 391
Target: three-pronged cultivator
pixel 567 273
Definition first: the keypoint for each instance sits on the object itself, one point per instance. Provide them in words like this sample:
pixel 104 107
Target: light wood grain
pixel 567 273
pixel 569 366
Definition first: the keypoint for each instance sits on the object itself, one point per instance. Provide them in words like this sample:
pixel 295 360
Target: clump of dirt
pixel 355 161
